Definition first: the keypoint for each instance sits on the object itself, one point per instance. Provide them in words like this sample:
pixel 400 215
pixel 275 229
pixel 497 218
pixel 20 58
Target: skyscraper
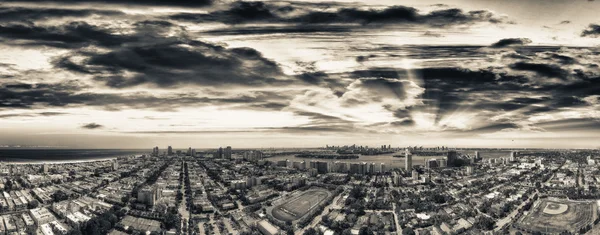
pixel 452 158
pixel 169 150
pixel 220 153
pixel 228 152
pixel 115 164
pixel 407 160
pixel 155 151
pixel 513 156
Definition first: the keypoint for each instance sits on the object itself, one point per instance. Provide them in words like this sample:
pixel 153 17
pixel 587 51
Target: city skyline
pixel 130 74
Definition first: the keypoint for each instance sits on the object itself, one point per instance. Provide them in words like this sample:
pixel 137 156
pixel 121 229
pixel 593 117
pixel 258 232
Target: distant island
pixel 327 156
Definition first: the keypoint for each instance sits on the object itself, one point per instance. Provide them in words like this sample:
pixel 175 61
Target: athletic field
pixel 556 216
pixel 298 206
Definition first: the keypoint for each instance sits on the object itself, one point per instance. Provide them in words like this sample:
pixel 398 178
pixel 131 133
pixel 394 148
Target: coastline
pixel 66 161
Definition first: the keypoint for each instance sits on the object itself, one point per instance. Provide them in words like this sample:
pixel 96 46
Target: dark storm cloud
pixel 71 35
pixel 289 29
pixel 71 95
pixel 248 12
pixel 548 70
pixel 563 59
pixel 398 15
pixel 589 124
pixel 19 14
pixel 167 65
pixel 239 12
pixel 92 126
pixel 153 58
pixel 313 77
pixel 362 58
pixel 511 42
pixel 432 34
pixel 40 114
pixel 593 30
pixel 181 3
pixel 509 105
pixel 379 73
pixel 406 122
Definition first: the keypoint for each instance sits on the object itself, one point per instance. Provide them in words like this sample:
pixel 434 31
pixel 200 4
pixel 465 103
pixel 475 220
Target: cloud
pixel 511 42
pixel 361 58
pixel 40 114
pixel 588 124
pixel 71 35
pixel 92 126
pixel 432 34
pixel 19 14
pixel 406 122
pixel 565 22
pixel 283 29
pixel 168 65
pixel 547 70
pixel 180 3
pixel 72 94
pixel 252 12
pixel 593 30
pixel 149 56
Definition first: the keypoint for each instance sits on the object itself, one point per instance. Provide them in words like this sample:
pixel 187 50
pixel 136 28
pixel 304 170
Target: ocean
pixel 64 155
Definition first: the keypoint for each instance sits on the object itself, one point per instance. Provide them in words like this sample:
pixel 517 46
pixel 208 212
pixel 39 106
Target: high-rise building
pixel 220 153
pixel 477 156
pixel 363 168
pixel 513 156
pixel 396 178
pixel 155 151
pixel 169 150
pixel 355 168
pixel 189 152
pixel 322 167
pixel 442 162
pixel 431 163
pixel 44 168
pixel 227 153
pixel 115 164
pixel 407 160
pixel 469 170
pixel 452 157
pixel 415 175
pixel 149 195
pixel 193 152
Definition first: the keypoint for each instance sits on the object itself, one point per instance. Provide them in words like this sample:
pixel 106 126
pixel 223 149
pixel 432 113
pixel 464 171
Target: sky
pixel 257 74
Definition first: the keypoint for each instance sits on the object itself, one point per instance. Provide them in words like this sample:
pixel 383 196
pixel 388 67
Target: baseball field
pixel 556 216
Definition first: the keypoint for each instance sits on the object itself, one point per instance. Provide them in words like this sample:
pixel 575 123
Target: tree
pixel 33 204
pixel 408 231
pixel 484 223
pixel 170 220
pixel 365 231
pixel 311 231
pixel 8 185
pixel 59 195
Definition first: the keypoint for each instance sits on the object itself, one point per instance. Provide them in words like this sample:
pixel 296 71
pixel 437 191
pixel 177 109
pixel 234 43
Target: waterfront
pixel 63 155
pixel 389 160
